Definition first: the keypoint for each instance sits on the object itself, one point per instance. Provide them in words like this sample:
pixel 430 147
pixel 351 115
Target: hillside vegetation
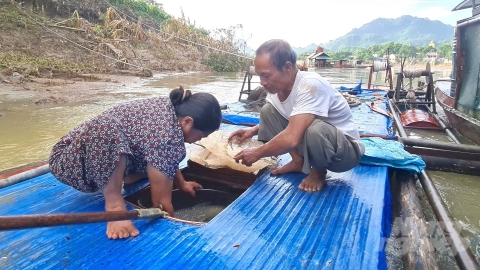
pixel 48 38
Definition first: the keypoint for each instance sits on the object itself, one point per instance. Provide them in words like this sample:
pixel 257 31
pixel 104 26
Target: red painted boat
pixel 416 118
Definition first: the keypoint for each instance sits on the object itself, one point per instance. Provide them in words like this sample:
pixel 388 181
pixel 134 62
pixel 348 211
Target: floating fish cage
pixel 221 187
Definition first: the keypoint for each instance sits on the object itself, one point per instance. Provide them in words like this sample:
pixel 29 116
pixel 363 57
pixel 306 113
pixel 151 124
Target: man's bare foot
pixel 292 166
pixel 295 165
pixel 121 229
pixel 314 181
pixel 133 178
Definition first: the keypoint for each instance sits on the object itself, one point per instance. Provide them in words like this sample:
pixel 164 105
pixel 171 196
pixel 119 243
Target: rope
pixel 379 66
pixel 410 74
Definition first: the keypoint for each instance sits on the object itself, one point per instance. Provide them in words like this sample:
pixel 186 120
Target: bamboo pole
pixel 49 220
pixel 17 178
pixel 417 249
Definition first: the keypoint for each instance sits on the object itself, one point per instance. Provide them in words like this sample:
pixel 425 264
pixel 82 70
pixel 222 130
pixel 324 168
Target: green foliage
pixel 340 55
pixel 143 9
pixel 222 62
pixel 404 50
pixel 303 55
pixel 445 50
pixel 22 63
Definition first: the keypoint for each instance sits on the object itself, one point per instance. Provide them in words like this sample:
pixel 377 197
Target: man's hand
pixel 190 187
pixel 248 156
pixel 243 134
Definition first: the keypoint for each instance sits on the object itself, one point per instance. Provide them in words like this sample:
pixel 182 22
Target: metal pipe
pixel 449 164
pixel 17 178
pixel 408 102
pixel 398 123
pixel 441 145
pixel 443 126
pixel 461 251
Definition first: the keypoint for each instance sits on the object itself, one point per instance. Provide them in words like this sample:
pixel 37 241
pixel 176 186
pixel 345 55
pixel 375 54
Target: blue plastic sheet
pixel 357 88
pixel 390 153
pixel 236 119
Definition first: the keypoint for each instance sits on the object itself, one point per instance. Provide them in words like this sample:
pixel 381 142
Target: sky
pixel 306 21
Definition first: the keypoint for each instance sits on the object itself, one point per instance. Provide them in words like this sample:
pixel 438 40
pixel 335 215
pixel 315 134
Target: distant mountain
pixel 406 29
pixel 310 48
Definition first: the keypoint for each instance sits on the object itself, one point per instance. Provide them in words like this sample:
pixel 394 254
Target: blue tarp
pixel 377 151
pixel 391 154
pixel 357 88
pixel 237 119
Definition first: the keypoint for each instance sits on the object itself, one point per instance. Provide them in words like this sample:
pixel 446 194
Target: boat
pixel 269 224
pixel 459 96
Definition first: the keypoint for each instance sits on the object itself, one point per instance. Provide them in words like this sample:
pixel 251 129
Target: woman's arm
pixel 161 187
pixel 186 186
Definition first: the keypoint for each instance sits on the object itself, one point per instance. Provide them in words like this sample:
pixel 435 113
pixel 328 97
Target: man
pixel 304 116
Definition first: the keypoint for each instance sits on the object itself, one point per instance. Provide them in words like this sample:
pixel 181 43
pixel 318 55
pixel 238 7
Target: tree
pixel 340 55
pixel 445 50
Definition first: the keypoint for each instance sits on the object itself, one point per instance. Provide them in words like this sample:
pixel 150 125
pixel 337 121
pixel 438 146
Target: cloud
pixel 433 13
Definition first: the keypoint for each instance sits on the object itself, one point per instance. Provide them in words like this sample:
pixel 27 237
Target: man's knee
pixel 320 131
pixel 267 109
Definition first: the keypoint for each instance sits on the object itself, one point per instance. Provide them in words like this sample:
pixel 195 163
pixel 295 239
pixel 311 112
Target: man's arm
pixel 289 138
pixel 285 141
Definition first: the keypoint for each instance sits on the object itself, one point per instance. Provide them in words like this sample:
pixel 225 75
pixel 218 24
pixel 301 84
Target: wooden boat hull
pixel 466 125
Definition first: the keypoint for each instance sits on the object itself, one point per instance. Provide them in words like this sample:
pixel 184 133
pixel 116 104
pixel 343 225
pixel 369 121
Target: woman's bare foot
pixel 314 181
pixel 295 165
pixel 114 202
pixel 121 229
pixel 133 178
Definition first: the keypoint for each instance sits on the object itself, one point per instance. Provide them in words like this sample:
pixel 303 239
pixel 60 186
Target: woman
pixel 132 141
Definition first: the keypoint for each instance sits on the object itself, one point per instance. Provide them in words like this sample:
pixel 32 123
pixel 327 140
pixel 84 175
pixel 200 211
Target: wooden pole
pixel 49 220
pixel 417 249
pixel 370 76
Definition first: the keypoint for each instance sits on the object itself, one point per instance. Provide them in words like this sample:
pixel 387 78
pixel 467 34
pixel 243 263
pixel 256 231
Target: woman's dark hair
pixel 280 53
pixel 202 107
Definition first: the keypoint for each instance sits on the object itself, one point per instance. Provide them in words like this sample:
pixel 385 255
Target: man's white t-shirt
pixel 312 94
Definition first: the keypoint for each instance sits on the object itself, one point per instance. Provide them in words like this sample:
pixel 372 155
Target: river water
pixel 28 131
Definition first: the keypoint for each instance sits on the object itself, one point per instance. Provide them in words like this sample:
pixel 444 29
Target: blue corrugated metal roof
pixel 272 225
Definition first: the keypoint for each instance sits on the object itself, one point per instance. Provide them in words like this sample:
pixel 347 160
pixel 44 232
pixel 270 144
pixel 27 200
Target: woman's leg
pixel 133 178
pixel 114 202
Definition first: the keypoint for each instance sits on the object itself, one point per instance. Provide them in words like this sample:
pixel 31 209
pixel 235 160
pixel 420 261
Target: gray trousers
pixel 323 146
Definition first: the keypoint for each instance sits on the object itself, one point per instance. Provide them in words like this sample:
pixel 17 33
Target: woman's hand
pixel 190 187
